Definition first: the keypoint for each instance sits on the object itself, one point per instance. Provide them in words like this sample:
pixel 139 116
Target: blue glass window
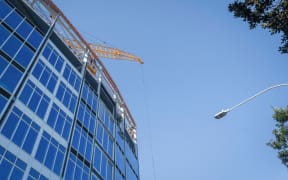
pixel 59 63
pixel 34 175
pixel 99 136
pixel 26 92
pixel 71 76
pixel 21 130
pixel 38 69
pixel 131 158
pixel 45 76
pixel 53 57
pixel 47 51
pixel 50 153
pixel 3 102
pixel 42 107
pixel 119 159
pixel 10 78
pixel 3 65
pixel 81 110
pixel 90 97
pixel 82 142
pixel 13 19
pixel 109 170
pixel 85 91
pixel 60 121
pixel 4 34
pixel 111 124
pixel 106 117
pixel 72 104
pixel 87 118
pixel 10 166
pixel 4 9
pixel 102 112
pixel 92 121
pixel 110 147
pixel 118 176
pixel 11 46
pixel 102 164
pixel 12 122
pixel 35 39
pixel 130 173
pixel 42 148
pixel 97 159
pixel 35 99
pixel 52 82
pixel 105 140
pixel 94 177
pixel 120 137
pixel 65 95
pixel 24 56
pixel 76 169
pixel 94 101
pixel 24 29
pixel 60 92
pixel 67 72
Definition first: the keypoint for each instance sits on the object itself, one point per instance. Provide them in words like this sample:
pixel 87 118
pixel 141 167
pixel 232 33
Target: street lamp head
pixel 221 114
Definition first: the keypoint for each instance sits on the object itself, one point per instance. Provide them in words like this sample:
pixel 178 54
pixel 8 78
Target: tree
pixel 281 134
pixel 271 15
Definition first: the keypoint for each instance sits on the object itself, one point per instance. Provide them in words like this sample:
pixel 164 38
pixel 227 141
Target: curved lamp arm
pixel 223 112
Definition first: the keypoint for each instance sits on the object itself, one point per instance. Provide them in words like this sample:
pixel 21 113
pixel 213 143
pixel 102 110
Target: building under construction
pixel 61 114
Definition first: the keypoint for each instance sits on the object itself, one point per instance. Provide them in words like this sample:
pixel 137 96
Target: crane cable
pixel 148 123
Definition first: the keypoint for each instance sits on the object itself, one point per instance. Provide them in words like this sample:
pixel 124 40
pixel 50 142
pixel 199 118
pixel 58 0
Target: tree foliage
pixel 269 14
pixel 281 134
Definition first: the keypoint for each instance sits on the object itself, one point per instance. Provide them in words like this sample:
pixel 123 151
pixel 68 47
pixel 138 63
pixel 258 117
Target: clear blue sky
pixel 198 60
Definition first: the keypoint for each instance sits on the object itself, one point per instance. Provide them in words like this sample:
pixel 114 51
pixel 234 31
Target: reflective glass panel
pixel 3 101
pixel 4 34
pixel 47 51
pixel 12 46
pixel 13 19
pixel 10 78
pixel 21 130
pixel 4 9
pixel 24 29
pixel 35 39
pixel 10 166
pixel 24 56
pixel 3 64
pixel 51 154
pixel 33 175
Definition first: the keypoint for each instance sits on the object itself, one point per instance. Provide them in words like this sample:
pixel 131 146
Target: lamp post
pixel 223 112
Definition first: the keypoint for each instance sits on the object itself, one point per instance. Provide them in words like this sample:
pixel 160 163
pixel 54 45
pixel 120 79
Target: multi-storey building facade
pixel 57 119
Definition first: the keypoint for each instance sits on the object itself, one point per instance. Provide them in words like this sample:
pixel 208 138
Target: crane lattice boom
pixel 105 51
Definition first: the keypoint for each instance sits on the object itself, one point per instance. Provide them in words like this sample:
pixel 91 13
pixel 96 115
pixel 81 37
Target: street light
pixel 223 112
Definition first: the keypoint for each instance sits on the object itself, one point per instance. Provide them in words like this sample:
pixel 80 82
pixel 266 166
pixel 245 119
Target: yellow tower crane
pixel 104 52
pixel 113 53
